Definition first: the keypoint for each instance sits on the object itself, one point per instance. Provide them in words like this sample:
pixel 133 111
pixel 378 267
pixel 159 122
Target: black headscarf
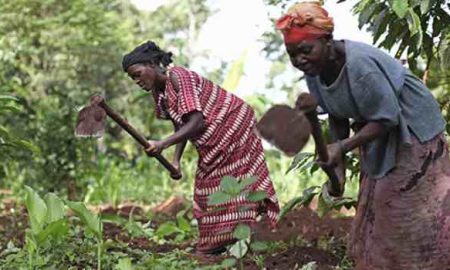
pixel 147 52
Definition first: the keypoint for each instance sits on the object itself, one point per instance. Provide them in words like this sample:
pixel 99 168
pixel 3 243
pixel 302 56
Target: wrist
pixel 164 144
pixel 342 146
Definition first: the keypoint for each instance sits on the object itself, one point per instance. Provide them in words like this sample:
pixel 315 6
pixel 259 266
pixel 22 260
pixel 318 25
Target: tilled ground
pixel 304 237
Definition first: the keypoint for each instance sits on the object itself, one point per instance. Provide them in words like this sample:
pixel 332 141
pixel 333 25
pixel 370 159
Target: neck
pixel 335 62
pixel 160 84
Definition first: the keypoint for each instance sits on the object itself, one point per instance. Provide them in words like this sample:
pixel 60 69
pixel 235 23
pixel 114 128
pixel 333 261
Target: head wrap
pixel 147 52
pixel 305 21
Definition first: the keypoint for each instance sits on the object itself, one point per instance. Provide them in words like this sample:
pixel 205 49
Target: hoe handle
pixel 308 106
pixel 174 173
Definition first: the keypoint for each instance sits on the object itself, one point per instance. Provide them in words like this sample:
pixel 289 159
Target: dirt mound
pixel 305 223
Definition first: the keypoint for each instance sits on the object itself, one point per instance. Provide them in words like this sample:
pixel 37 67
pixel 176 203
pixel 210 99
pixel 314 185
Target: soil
pixel 302 231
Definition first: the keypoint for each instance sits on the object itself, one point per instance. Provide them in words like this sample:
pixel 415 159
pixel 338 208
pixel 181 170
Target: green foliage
pixel 235 73
pixel 46 222
pixel 304 200
pixel 328 202
pixel 181 228
pixel 10 144
pixel 124 264
pixel 239 249
pixel 309 266
pixel 92 221
pixel 304 163
pixel 400 7
pixel 48 225
pixel 231 188
pixel 228 263
pixel 53 56
pixel 242 232
pixel 418 27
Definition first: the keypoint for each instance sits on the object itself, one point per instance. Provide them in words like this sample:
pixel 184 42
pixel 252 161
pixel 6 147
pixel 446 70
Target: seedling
pixel 230 188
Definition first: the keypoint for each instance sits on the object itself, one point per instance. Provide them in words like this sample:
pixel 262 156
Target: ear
pixel 150 65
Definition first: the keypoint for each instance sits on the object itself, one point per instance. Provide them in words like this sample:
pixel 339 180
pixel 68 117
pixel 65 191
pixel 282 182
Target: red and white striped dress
pixel 227 146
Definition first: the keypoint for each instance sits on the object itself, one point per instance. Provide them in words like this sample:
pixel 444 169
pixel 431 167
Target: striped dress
pixel 228 146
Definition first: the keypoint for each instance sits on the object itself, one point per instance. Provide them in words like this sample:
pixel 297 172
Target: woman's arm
pixel 369 132
pixel 179 149
pixel 193 126
pixel 339 130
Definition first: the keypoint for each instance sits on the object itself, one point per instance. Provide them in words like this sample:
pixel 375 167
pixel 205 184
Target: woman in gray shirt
pixel 403 213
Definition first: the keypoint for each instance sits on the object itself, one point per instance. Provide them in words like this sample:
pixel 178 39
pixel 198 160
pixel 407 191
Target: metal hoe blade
pixel 91 121
pixel 285 128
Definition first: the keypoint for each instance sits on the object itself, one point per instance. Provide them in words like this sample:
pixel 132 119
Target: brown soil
pixel 295 257
pixel 305 223
pixel 302 231
pixel 13 222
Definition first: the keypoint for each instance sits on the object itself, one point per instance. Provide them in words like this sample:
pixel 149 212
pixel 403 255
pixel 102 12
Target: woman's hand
pixel 177 166
pixel 155 147
pixel 335 156
pixel 336 162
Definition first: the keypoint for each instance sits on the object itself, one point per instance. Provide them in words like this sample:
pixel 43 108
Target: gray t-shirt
pixel 373 86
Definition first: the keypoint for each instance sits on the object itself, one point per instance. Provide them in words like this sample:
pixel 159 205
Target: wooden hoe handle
pixel 174 173
pixel 308 106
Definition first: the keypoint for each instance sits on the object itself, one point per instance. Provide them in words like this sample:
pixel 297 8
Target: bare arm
pixel 193 126
pixel 340 131
pixel 369 132
pixel 179 149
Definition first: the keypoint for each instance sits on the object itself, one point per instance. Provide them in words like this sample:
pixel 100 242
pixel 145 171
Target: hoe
pixel 91 123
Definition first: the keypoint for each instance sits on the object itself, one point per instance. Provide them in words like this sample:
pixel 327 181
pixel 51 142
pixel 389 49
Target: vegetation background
pixel 55 54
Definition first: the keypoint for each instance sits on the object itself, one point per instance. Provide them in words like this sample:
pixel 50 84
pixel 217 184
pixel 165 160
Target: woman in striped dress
pixel 222 128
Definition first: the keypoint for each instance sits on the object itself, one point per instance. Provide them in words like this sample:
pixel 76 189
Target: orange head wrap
pixel 305 21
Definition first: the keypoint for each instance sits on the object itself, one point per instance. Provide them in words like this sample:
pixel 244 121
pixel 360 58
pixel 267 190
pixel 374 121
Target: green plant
pixel 93 225
pixel 10 144
pixel 230 188
pixel 47 223
pixel 309 266
pixel 304 162
pixel 124 264
pixel 181 228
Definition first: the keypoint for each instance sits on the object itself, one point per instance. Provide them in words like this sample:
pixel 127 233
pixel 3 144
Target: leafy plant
pixel 93 224
pixel 181 228
pixel 9 143
pixel 326 203
pixel 231 188
pixel 47 223
pixel 415 26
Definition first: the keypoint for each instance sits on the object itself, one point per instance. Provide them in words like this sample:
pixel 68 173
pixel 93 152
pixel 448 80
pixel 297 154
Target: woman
pixel 221 126
pixel 403 214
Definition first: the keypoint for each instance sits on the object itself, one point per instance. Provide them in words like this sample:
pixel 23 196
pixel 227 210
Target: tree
pixel 55 54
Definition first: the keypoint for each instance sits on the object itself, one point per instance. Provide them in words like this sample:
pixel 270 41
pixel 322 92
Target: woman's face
pixel 144 75
pixel 309 56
